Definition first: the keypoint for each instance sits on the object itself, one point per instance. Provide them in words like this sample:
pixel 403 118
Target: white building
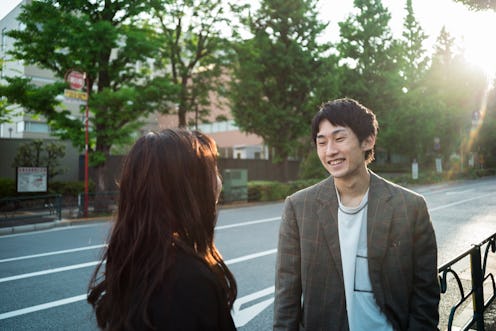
pixel 22 125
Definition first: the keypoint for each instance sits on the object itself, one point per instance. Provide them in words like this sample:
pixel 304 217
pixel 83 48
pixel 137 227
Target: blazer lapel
pixel 379 216
pixel 327 214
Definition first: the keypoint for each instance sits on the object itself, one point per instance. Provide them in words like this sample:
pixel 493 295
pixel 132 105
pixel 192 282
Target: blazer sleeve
pixel 288 291
pixel 424 307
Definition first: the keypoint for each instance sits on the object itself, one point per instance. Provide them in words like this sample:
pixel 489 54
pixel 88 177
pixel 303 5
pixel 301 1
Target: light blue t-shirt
pixel 363 312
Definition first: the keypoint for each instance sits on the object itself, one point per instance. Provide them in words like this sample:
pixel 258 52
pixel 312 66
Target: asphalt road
pixel 44 274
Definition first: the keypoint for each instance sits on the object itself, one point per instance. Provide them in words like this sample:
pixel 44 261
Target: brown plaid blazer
pixel 402 255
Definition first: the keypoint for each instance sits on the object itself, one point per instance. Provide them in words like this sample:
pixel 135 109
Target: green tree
pixel 414 56
pixel 41 154
pixel 479 4
pixel 276 73
pixel 104 40
pixel 457 89
pixel 412 133
pixel 4 109
pixel 370 57
pixel 192 49
pixel 485 135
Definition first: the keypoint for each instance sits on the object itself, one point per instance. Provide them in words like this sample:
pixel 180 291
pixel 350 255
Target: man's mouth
pixel 335 162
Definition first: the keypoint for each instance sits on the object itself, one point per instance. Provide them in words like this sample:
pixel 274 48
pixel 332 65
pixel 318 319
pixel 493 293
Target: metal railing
pixel 479 275
pixel 99 203
pixel 43 208
pixel 26 209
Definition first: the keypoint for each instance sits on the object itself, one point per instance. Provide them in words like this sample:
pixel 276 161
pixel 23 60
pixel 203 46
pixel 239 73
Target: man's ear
pixel 368 143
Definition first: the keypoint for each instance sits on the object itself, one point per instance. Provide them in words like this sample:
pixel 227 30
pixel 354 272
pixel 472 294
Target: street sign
pixel 75 96
pixel 75 79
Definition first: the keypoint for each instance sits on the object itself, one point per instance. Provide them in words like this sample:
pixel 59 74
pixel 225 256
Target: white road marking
pixel 93 263
pixel 243 316
pixel 459 192
pixel 460 202
pixel 49 271
pixel 43 306
pixel 72 250
pixel 244 313
pixel 222 227
pixel 250 256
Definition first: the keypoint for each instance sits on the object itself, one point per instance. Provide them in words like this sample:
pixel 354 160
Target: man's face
pixel 340 152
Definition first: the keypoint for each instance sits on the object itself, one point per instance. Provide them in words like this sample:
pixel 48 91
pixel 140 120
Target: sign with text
pixel 75 96
pixel 75 79
pixel 32 179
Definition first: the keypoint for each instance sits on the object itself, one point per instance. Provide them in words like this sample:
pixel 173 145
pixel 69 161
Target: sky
pixel 474 28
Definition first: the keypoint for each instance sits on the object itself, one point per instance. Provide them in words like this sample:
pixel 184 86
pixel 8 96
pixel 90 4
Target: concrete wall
pixel 8 151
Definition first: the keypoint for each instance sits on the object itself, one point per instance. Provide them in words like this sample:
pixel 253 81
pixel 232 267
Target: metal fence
pixel 99 203
pixel 479 276
pixel 30 209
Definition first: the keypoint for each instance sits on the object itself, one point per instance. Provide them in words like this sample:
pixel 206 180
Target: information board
pixel 32 179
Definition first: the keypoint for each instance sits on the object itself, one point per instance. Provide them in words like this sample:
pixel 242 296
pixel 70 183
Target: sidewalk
pixel 50 225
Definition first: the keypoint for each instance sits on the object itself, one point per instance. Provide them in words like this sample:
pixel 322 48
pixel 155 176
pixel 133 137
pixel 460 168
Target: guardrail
pixel 49 207
pixel 28 209
pixel 479 275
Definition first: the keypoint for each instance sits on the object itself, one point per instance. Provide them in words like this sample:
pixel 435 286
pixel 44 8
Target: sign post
pixel 77 80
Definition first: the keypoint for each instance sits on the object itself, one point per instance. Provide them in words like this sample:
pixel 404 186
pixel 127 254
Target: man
pixel 355 252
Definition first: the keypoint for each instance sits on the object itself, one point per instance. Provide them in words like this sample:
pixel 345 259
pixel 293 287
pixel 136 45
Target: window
pixel 37 127
pixel 20 126
pixel 28 126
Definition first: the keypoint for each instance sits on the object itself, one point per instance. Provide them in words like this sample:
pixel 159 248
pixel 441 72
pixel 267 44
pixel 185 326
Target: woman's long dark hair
pixel 167 198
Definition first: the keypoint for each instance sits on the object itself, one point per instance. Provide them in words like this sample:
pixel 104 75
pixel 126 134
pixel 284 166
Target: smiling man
pixel 355 251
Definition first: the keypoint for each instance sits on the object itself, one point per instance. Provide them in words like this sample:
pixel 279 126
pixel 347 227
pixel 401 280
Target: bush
pixel 432 177
pixel 311 167
pixel 7 187
pixel 69 188
pixel 273 191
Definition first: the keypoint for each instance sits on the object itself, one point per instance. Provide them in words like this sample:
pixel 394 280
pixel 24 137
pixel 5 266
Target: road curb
pixel 49 225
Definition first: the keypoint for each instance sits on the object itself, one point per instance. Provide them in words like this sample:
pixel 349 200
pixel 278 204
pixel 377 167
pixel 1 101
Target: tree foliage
pixel 168 56
pixel 276 73
pixel 41 154
pixel 103 40
pixel 479 4
pixel 370 58
pixel 411 134
pixel 192 49
pixel 456 88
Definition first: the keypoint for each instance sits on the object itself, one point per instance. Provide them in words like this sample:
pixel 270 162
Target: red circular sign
pixel 75 80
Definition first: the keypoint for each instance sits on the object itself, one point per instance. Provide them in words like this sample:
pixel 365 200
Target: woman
pixel 162 270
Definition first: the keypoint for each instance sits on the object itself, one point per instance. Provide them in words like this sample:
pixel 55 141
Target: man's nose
pixel 330 148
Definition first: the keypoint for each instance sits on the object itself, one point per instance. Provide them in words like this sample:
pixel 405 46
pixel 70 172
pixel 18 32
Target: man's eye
pixel 339 138
pixel 321 143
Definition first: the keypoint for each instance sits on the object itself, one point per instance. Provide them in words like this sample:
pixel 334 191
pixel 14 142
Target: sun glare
pixel 482 53
pixel 478 42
